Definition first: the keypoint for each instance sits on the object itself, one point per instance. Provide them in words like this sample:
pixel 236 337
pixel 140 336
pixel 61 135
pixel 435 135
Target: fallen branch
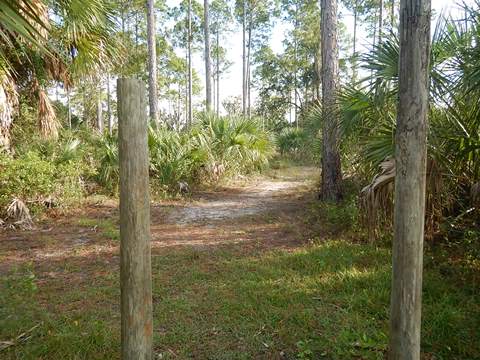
pixel 22 338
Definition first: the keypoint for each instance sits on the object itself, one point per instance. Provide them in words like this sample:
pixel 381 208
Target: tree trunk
pixel 392 14
pixel 152 62
pixel 135 251
pixel 109 108
pixel 208 66
pixel 218 71
pixel 331 168
pixel 318 70
pixel 244 86
pixel 380 23
pixel 249 50
pixel 189 51
pixel 69 110
pixel 410 178
pixel 354 62
pixel 99 112
pixel 295 66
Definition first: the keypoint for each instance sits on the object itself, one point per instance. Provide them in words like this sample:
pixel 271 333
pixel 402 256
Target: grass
pixel 107 227
pixel 325 300
pixel 328 300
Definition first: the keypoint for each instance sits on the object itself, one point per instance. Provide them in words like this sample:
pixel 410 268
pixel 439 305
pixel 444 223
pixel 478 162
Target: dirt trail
pixel 232 204
pixel 265 212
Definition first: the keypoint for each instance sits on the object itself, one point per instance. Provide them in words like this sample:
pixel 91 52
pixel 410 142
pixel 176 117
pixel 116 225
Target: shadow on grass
pixel 328 300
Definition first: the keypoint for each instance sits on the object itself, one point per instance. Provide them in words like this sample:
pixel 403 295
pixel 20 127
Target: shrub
pixel 33 179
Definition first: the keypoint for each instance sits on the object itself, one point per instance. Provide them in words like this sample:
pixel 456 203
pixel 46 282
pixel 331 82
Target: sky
pixel 231 82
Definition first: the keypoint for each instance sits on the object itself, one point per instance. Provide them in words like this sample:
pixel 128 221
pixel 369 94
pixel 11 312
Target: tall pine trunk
pixel 249 51
pixel 99 117
pixel 244 86
pixel 189 52
pixel 331 168
pixel 410 178
pixel 354 60
pixel 392 14
pixel 109 107
pixel 218 71
pixel 152 62
pixel 380 23
pixel 208 66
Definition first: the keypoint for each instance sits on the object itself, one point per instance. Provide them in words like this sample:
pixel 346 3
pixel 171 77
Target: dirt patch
pixel 264 212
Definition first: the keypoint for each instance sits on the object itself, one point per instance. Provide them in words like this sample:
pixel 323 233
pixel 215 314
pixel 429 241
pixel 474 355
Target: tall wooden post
pixel 135 258
pixel 410 161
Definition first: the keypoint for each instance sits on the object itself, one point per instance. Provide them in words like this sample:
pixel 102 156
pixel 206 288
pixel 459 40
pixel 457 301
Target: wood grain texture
pixel 135 257
pixel 410 179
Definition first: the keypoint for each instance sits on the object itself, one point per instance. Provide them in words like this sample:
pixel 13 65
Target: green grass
pixel 328 300
pixel 107 227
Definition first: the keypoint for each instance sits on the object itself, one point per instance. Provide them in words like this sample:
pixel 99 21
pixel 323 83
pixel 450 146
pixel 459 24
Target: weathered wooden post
pixel 135 257
pixel 410 163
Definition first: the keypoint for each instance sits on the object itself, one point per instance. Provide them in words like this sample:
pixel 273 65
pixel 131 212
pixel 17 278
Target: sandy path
pixel 265 212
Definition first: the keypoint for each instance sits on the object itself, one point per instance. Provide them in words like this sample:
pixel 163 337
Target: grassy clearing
pixel 328 300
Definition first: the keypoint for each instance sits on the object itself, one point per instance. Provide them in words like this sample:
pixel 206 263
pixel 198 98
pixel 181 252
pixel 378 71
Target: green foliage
pixel 240 145
pixel 174 157
pixel 33 178
pixel 108 171
pixel 215 147
pixel 47 169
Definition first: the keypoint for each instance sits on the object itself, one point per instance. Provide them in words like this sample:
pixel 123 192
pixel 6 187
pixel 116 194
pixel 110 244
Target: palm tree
pixel 82 45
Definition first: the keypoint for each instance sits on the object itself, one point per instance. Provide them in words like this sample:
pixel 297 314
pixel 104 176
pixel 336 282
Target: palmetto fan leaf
pixel 20 20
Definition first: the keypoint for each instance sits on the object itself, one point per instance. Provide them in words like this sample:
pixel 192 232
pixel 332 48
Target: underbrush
pixel 83 161
pixel 45 172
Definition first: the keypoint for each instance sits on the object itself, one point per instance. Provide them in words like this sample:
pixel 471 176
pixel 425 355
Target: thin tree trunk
pixel 135 248
pixel 410 179
pixel 392 14
pixel 190 87
pixel 69 110
pixel 244 86
pixel 249 51
pixel 152 62
pixel 318 70
pixel 99 112
pixel 354 62
pixel 218 70
pixel 85 106
pixel 208 66
pixel 380 23
pixel 295 66
pixel 331 167
pixel 109 108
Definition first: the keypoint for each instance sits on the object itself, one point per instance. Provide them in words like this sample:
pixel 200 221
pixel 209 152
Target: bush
pixel 299 144
pixel 239 145
pixel 34 179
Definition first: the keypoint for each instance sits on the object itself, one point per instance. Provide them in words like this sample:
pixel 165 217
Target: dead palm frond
pixel 47 119
pixel 8 106
pixel 376 199
pixel 19 215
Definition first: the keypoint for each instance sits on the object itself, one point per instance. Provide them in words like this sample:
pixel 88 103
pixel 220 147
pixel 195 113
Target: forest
pixel 240 179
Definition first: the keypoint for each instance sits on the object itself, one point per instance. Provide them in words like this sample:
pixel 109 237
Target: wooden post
pixel 135 258
pixel 410 163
